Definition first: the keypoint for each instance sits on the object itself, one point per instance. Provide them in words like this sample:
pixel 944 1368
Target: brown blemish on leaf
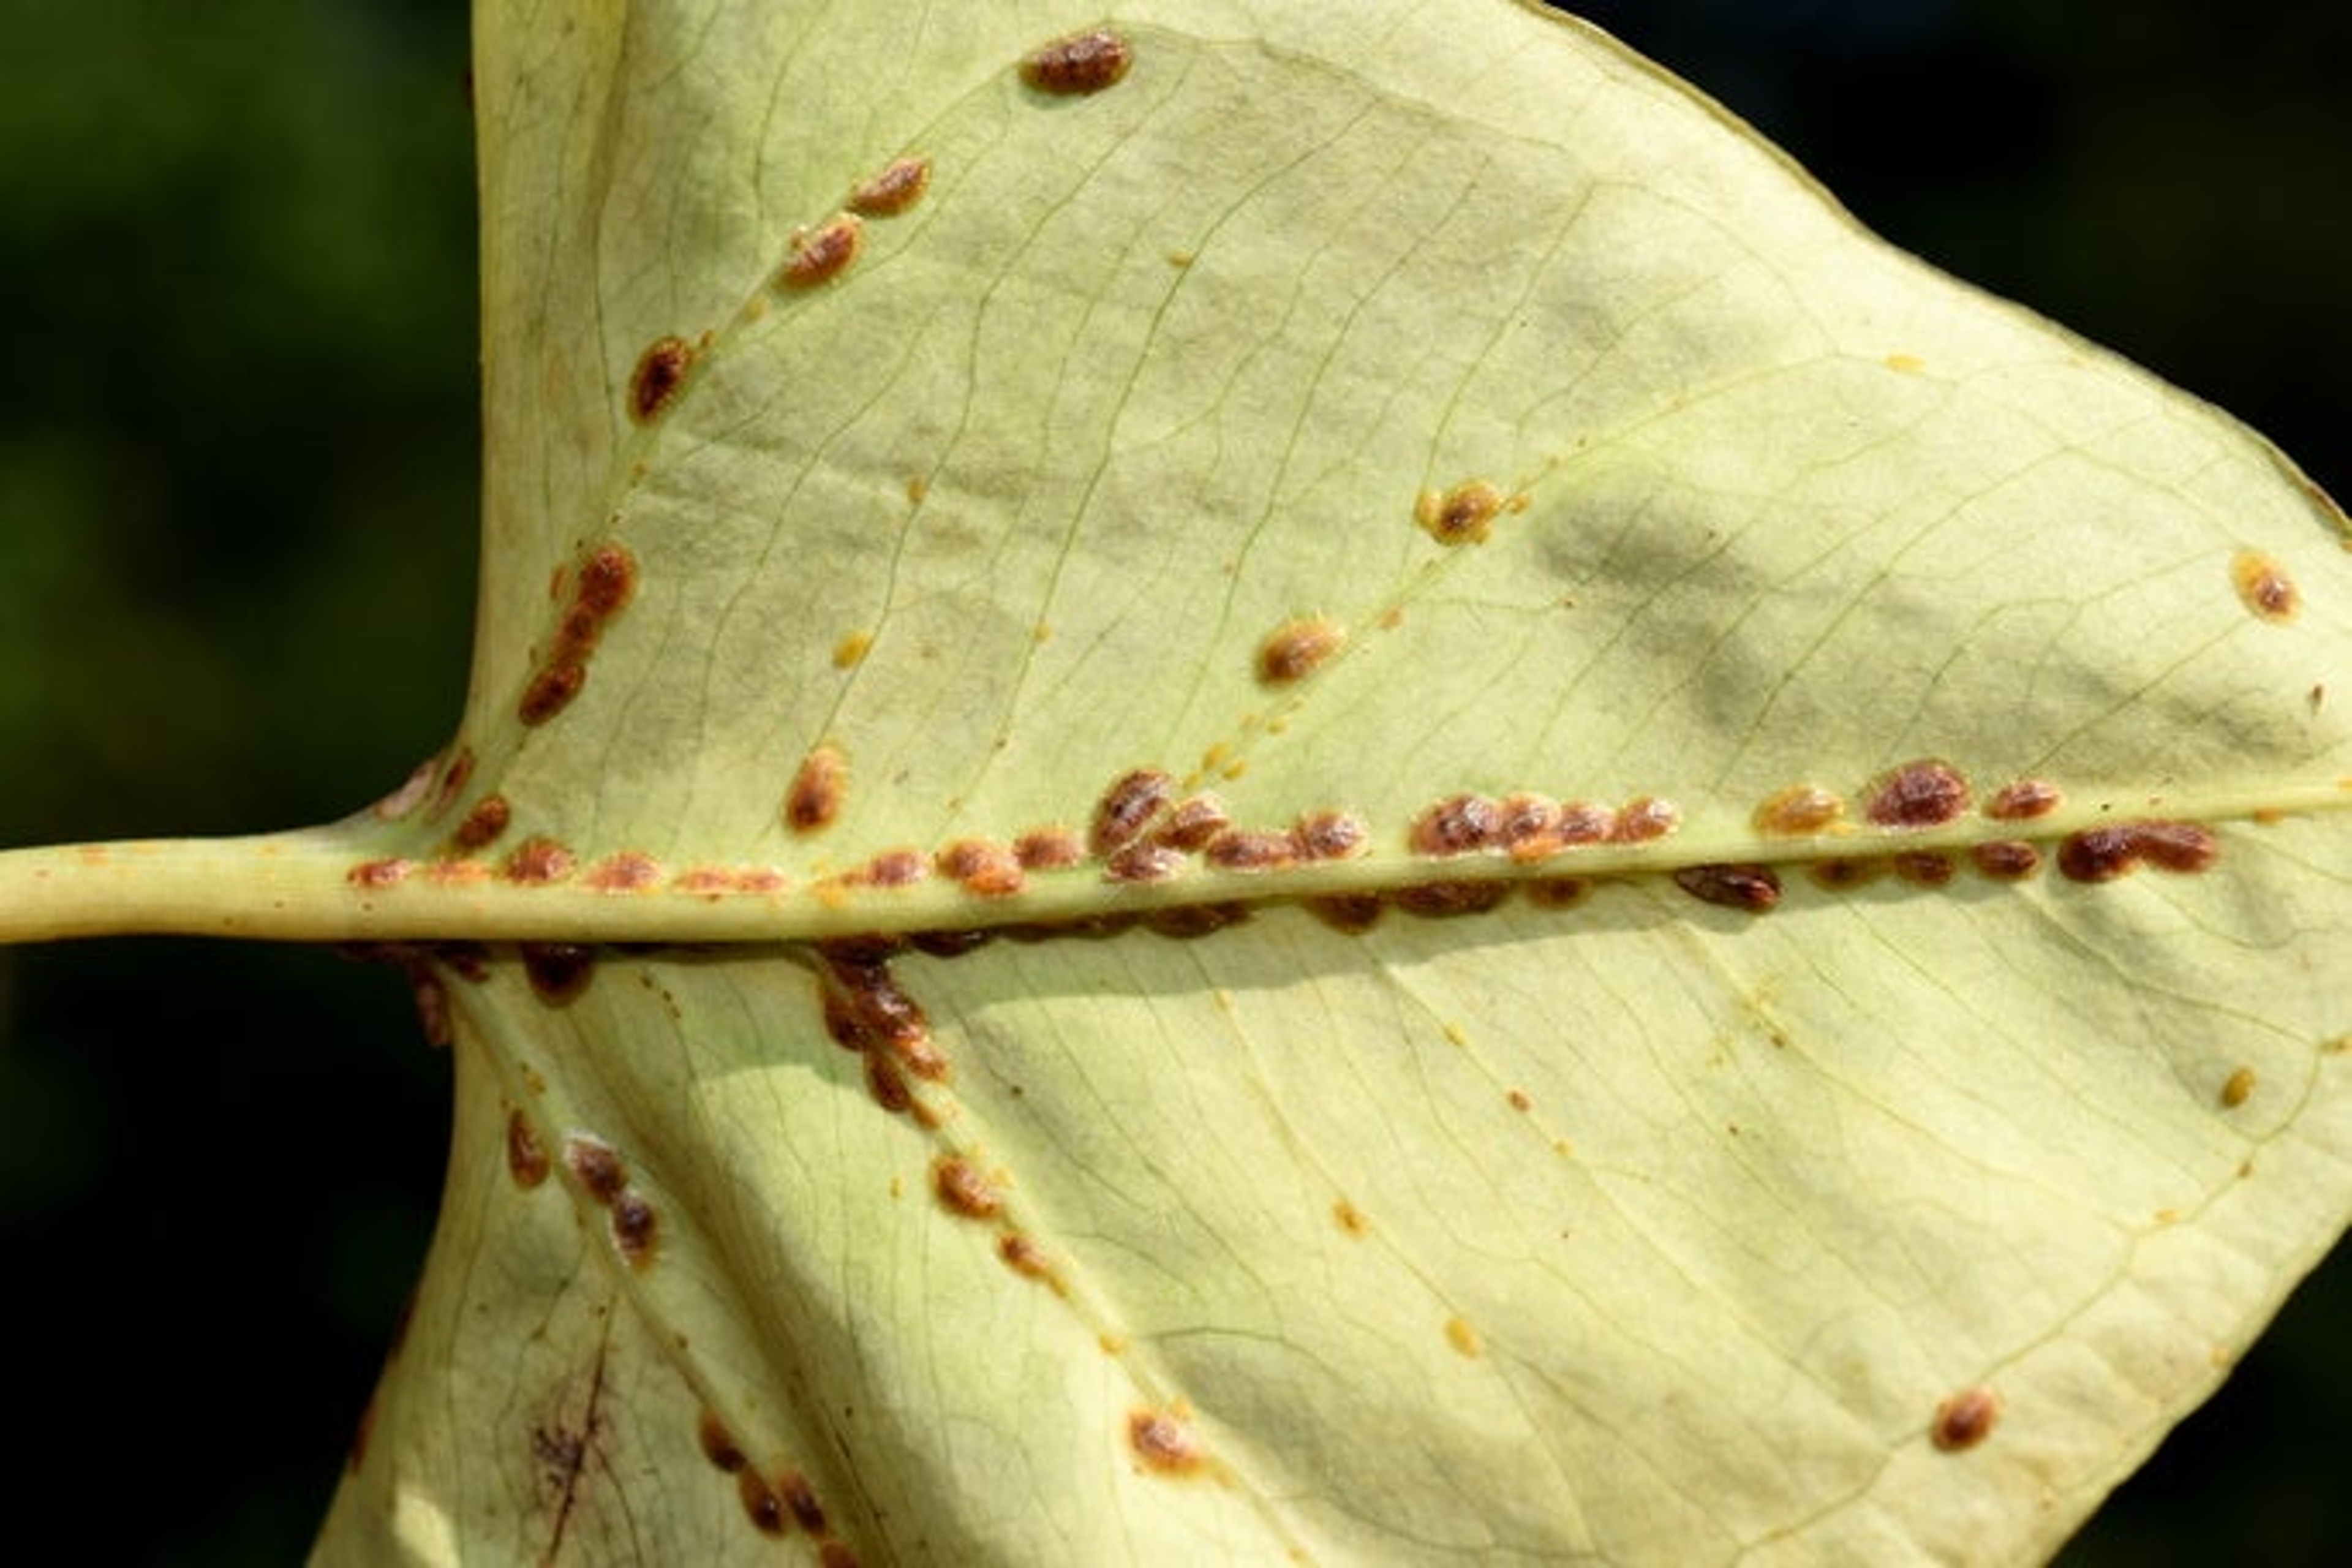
pixel 661 369
pixel 2102 854
pixel 2006 859
pixel 630 871
pixel 2263 587
pixel 2023 800
pixel 817 791
pixel 1798 810
pixel 1048 849
pixel 634 1225
pixel 718 1444
pixel 1130 806
pixel 481 825
pixel 897 187
pixel 1925 794
pixel 2238 1088
pixel 1754 888
pixel 557 971
pixel 527 1160
pixel 963 1189
pixel 1078 64
pixel 1965 1420
pixel 1458 825
pixel 821 253
pixel 1463 515
pixel 596 1165
pixel 1297 650
pixel 989 871
pixel 1165 1442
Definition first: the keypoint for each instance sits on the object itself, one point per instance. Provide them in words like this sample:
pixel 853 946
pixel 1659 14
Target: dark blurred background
pixel 238 491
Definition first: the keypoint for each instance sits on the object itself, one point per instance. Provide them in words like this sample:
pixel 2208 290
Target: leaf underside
pixel 1889 1101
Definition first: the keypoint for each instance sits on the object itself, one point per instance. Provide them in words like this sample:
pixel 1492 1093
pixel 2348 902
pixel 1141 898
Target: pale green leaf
pixel 1633 1227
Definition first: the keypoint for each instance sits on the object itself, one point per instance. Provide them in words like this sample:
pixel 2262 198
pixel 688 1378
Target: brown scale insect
pixel 539 861
pixel 1245 849
pixel 818 790
pixel 1078 64
pixel 1923 869
pixel 800 1501
pixel 1128 807
pixel 1965 1420
pixel 823 253
pixel 1463 515
pixel 1331 835
pixel 1645 819
pixel 897 187
pixel 661 371
pixel 557 971
pixel 1165 1442
pixel 1458 825
pixel 1527 826
pixel 634 1224
pixel 527 1160
pixel 1148 861
pixel 2025 799
pixel 718 1444
pixel 1798 810
pixel 481 825
pixel 597 1166
pixel 1753 889
pixel 1925 794
pixel 1194 920
pixel 2263 587
pixel 630 871
pixel 1434 901
pixel 1048 849
pixel 2102 854
pixel 1297 650
pixel 386 873
pixel 551 692
pixel 2006 859
pixel 1192 823
pixel 990 870
pixel 762 1504
pixel 1350 914
pixel 962 1188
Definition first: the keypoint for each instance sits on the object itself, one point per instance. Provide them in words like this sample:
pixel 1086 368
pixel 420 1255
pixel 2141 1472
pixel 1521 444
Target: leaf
pixel 1864 1148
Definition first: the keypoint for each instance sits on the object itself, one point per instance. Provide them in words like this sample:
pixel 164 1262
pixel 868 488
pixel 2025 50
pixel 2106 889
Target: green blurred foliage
pixel 238 491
